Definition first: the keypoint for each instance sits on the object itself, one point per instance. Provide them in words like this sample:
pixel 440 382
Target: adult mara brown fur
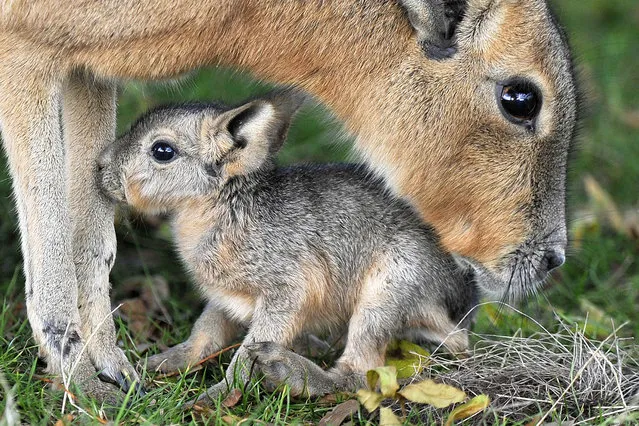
pixel 466 107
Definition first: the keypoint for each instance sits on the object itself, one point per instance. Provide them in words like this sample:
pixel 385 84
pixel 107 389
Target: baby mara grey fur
pixel 285 251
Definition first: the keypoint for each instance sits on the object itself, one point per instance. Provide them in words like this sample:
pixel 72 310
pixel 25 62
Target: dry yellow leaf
pixel 232 398
pixel 67 419
pixel 369 399
pixel 438 395
pixel 388 418
pixel 475 405
pixel 230 419
pixel 408 358
pixel 387 377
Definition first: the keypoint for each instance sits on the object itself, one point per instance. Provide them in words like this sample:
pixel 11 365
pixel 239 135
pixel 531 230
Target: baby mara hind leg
pixel 367 341
pixel 212 331
pixel 390 301
pixel 376 318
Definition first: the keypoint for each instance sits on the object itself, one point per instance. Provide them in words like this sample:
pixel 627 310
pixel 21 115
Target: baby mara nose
pixel 554 258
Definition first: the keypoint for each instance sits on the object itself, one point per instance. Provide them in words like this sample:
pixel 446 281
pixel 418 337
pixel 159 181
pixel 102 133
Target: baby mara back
pixel 324 239
pixel 287 250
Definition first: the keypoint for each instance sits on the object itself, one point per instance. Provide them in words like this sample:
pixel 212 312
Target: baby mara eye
pixel 519 101
pixel 163 152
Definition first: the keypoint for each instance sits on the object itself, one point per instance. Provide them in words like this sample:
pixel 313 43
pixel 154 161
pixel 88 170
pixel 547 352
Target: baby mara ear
pixel 241 140
pixel 435 22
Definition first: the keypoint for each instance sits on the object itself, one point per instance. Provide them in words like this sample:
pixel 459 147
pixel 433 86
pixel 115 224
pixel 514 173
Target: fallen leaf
pixel 406 368
pixel 438 395
pixel 369 399
pixel 631 118
pixel 388 418
pixel 232 398
pixel 144 302
pixel 603 205
pixel 387 377
pixel 340 413
pixel 408 358
pixel 334 398
pixel 468 409
pixel 534 421
pixel 230 419
pixel 408 349
pixel 65 420
pixel 137 315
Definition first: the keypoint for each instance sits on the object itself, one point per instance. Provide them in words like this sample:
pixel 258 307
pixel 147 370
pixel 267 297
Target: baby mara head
pixel 177 154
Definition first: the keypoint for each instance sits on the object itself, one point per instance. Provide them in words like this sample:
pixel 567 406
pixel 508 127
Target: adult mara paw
pixel 82 378
pixel 114 367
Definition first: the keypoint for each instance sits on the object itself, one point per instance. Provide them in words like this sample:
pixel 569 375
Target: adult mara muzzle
pixel 492 123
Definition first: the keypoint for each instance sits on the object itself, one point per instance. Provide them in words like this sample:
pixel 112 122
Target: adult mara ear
pixel 435 22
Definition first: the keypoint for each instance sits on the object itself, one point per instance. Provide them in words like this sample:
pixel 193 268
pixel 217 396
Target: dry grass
pixel 547 376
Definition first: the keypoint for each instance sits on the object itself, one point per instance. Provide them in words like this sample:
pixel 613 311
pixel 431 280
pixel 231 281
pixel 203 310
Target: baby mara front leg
pixel 276 321
pixel 386 305
pixel 368 335
pixel 212 331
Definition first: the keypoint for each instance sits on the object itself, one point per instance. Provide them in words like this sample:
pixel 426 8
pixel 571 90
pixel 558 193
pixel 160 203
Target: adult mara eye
pixel 163 152
pixel 519 101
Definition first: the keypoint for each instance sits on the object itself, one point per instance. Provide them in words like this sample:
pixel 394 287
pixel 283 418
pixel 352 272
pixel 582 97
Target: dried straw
pixel 562 375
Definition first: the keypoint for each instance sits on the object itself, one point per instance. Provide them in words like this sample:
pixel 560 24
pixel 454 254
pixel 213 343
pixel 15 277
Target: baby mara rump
pixel 284 251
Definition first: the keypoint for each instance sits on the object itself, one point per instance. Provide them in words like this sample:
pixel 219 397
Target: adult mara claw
pixel 124 380
pixel 86 381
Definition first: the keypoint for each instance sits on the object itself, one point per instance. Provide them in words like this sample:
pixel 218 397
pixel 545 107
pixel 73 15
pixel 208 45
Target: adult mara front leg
pixel 32 137
pixel 88 115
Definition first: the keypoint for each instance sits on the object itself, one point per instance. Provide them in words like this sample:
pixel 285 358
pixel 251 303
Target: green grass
pixel 600 279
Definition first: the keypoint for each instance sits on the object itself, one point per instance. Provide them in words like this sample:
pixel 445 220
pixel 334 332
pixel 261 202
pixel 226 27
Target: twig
pixel 197 366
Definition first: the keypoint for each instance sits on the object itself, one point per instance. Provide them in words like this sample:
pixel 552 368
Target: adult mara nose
pixel 554 258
